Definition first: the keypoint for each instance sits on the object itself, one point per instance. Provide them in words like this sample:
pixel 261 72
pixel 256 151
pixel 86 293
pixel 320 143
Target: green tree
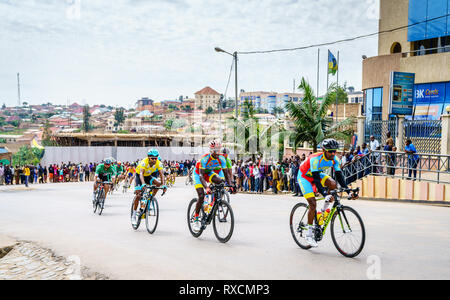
pixel 168 124
pixel 119 117
pixel 311 122
pixel 46 135
pixel 341 92
pixel 209 110
pixel 86 115
pixel 27 156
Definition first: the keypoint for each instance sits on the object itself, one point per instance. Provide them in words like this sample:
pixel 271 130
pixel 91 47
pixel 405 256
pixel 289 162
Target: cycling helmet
pixel 215 145
pixel 153 152
pixel 107 161
pixel 225 150
pixel 330 144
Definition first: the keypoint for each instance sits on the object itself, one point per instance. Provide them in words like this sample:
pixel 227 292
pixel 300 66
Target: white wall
pixel 58 155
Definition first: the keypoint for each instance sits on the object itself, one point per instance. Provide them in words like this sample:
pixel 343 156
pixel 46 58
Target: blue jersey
pixel 210 164
pixel 318 163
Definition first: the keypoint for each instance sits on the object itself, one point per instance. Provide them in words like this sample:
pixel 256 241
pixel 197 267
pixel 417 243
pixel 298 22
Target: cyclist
pixel 312 179
pixel 120 170
pixel 129 174
pixel 229 167
pixel 147 172
pixel 209 169
pixel 104 172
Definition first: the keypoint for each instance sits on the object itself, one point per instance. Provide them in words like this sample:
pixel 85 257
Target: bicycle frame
pixel 336 208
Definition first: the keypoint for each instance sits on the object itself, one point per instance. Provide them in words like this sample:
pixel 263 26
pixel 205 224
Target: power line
pixel 343 40
pixel 229 77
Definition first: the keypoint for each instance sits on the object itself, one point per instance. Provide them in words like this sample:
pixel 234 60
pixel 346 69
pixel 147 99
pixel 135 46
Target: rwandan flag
pixel 332 63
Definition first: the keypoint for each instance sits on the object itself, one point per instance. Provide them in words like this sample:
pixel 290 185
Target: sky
pixel 96 52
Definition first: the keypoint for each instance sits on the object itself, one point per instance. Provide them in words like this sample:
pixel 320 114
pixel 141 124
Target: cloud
pixel 122 50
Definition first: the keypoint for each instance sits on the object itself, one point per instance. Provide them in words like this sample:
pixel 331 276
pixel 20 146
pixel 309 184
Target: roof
pixel 207 91
pixel 4 150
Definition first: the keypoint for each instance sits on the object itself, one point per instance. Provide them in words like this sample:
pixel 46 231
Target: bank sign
pixel 429 100
pixel 401 94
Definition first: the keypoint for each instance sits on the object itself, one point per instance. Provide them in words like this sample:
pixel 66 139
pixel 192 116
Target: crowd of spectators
pixel 68 172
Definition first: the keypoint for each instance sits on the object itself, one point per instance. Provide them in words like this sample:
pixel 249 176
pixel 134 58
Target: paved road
pixel 406 241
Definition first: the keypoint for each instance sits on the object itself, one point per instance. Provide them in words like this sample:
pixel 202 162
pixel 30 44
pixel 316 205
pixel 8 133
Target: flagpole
pixel 337 86
pixel 318 63
pixel 328 72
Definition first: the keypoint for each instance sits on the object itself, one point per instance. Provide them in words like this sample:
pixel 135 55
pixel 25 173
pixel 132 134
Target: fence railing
pixel 379 129
pixel 420 166
pixel 424 134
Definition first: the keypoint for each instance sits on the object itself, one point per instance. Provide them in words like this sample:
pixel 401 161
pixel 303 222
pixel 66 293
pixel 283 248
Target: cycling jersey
pixel 211 166
pixel 101 170
pixel 229 164
pixel 119 169
pixel 316 162
pixel 144 166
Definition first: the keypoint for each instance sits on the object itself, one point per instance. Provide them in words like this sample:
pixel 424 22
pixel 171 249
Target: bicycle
pixel 151 209
pixel 221 213
pixel 100 196
pixel 125 186
pixel 342 233
pixel 189 180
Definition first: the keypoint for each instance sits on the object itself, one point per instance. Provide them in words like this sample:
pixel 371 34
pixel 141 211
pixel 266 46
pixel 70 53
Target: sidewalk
pixel 23 260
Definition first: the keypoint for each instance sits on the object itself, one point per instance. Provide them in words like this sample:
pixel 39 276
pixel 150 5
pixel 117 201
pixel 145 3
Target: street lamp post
pixel 235 78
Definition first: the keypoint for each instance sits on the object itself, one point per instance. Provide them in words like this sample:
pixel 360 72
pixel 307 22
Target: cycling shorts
pixel 207 177
pixel 130 175
pixel 103 177
pixel 147 180
pixel 307 185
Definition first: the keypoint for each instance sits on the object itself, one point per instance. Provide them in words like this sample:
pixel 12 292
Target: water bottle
pixel 206 204
pixel 326 213
pixel 319 218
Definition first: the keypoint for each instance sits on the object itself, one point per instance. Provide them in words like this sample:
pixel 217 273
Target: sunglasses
pixel 153 158
pixel 332 151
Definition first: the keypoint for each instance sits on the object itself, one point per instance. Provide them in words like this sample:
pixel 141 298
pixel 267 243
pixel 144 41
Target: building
pixel 268 101
pixel 207 97
pixel 144 104
pixel 5 155
pixel 420 52
pixel 355 97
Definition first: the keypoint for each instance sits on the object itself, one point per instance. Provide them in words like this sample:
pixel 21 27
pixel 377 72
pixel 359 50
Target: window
pixel 396 48
pixel 373 103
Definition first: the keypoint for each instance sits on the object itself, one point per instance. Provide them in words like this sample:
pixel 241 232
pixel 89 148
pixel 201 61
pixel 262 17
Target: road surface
pixel 404 241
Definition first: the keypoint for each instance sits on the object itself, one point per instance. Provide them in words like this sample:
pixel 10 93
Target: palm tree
pixel 311 122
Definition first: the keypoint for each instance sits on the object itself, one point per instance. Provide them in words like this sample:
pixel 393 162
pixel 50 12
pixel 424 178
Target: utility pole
pixel 18 88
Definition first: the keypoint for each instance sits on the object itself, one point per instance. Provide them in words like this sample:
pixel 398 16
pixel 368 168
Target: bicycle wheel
pixel 135 226
pixel 187 182
pixel 298 222
pixel 348 232
pixel 223 221
pixel 152 215
pixel 95 202
pixel 190 218
pixel 101 202
pixel 227 197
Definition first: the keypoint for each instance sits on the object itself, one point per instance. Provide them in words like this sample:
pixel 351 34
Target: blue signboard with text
pixel 402 87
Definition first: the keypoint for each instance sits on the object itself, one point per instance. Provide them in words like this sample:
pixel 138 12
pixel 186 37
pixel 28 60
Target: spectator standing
pixel 274 179
pixel 2 174
pixel 413 158
pixel 256 178
pixel 374 144
pixel 26 174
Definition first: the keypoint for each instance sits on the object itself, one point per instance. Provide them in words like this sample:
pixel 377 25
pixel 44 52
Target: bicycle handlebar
pixel 350 192
pixel 154 187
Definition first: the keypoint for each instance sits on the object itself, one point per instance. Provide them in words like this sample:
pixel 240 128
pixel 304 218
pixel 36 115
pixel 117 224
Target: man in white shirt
pixel 374 144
